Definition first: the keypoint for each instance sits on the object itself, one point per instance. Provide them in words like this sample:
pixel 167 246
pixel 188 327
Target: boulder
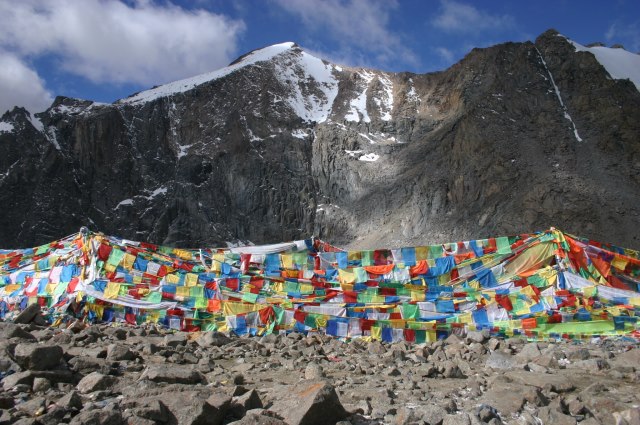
pixel 41 385
pixel 96 381
pixel 500 360
pixel 119 352
pixel 175 340
pixel 431 414
pixel 549 415
pixel 98 417
pixel 173 375
pixel 309 403
pixel 213 339
pixel 259 417
pixel 184 408
pixel 10 330
pixel 313 371
pixel 71 400
pixel 478 336
pixel 38 357
pixel 28 315
pixel 529 352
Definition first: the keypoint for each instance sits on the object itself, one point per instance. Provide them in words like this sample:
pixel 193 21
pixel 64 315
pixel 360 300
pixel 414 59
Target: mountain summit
pixel 281 144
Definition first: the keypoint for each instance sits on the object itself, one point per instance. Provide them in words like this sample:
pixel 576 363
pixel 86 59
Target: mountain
pixel 281 144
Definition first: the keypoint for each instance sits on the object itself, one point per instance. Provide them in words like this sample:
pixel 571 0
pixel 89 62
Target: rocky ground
pixel 145 375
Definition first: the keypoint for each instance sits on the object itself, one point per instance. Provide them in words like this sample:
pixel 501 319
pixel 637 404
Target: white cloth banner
pixel 129 301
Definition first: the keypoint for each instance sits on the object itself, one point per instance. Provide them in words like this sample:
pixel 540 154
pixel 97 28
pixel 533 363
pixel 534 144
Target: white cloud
pixel 21 85
pixel 628 35
pixel 465 18
pixel 445 54
pixel 359 28
pixel 108 41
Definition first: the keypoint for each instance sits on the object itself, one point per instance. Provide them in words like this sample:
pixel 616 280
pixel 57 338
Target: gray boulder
pixel 96 382
pixel 309 403
pixel 173 375
pixel 38 357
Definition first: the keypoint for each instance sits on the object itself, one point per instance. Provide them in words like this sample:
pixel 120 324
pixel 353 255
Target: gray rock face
pixel 480 149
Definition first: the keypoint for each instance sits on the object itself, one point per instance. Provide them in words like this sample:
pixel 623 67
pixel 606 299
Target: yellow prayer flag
pixel 421 252
pixel 346 276
pixel 128 260
pixel 183 254
pixel 287 261
pixel 112 290
pixel 376 332
pixel 182 291
pixel 619 263
pixel 172 279
pixel 191 279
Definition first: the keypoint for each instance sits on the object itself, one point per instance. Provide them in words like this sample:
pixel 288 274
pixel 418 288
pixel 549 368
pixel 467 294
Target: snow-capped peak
pixel 619 63
pixel 181 86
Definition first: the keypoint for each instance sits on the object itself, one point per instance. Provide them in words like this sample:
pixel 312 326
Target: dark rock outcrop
pixel 514 138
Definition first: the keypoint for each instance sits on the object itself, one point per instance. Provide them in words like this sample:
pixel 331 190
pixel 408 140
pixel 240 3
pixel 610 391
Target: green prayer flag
pixel 310 321
pixel 154 297
pixel 410 311
pixel 503 245
pixel 249 297
pixel 196 291
pixel 115 257
pixel 367 258
pixel 435 251
pixel 60 289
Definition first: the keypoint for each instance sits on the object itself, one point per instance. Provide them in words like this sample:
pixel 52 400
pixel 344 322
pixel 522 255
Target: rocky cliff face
pixel 282 145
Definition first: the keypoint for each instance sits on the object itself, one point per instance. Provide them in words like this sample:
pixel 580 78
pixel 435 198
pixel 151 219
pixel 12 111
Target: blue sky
pixel 104 50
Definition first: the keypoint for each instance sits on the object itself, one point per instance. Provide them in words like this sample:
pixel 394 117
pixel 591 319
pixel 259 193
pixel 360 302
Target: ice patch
pixel 128 201
pixel 51 132
pixel 299 134
pixel 619 63
pixel 37 124
pixel 183 150
pixel 557 90
pixel 298 76
pixel 358 106
pixel 370 157
pixel 159 191
pixel 386 102
pixel 6 127
pixel 352 153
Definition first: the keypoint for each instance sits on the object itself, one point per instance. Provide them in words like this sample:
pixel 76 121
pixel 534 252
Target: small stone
pixel 238 379
pixel 71 400
pixel 41 385
pixel 313 371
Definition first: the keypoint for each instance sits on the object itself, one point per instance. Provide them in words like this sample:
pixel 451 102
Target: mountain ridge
pixel 391 159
